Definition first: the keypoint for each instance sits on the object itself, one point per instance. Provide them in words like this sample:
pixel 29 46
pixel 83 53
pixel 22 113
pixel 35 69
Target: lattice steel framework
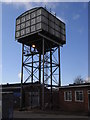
pixel 42 66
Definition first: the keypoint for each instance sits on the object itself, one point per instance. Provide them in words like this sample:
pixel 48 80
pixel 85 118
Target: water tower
pixel 41 34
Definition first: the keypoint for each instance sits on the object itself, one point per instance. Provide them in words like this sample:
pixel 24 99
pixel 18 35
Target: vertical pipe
pixel 43 79
pixel 59 66
pixel 51 75
pixel 21 100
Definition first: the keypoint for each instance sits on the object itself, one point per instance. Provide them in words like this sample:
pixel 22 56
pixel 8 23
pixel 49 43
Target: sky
pixel 88 42
pixel 74 54
pixel 0 42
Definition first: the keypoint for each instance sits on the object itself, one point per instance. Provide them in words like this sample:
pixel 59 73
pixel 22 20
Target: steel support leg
pixel 21 100
pixel 51 76
pixel 43 79
pixel 59 66
pixel 40 68
pixel 32 69
pixel 32 81
pixel 40 79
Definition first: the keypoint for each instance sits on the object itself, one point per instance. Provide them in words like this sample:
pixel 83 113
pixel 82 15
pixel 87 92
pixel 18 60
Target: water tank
pixel 39 20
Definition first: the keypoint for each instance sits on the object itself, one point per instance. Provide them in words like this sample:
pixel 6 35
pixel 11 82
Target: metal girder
pixel 49 39
pixel 43 80
pixel 21 100
pixel 30 72
pixel 32 53
pixel 59 66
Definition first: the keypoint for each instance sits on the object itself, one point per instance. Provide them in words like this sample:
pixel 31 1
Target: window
pixel 67 96
pixel 88 91
pixel 79 96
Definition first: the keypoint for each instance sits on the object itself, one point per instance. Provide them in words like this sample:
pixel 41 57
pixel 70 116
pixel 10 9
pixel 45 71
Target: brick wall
pixel 73 105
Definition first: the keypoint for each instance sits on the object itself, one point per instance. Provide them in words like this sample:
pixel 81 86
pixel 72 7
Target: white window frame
pixel 82 95
pixel 68 92
pixel 88 92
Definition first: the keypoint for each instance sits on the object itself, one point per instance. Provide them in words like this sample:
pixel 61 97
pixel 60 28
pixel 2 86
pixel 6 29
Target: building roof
pixel 18 85
pixel 76 85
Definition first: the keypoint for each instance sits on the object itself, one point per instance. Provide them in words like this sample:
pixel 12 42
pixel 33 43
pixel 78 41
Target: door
pixel 89 100
pixel 34 99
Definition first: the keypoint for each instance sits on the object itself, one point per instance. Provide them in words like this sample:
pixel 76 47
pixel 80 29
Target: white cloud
pixel 28 4
pixel 19 75
pixel 87 80
pixel 17 5
pixel 75 17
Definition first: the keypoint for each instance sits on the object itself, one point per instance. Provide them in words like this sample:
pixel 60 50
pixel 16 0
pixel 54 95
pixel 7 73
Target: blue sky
pixel 89 41
pixel 0 42
pixel 74 55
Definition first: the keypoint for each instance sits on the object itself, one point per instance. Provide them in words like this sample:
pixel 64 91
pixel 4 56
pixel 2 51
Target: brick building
pixel 71 98
pixel 32 95
pixel 75 98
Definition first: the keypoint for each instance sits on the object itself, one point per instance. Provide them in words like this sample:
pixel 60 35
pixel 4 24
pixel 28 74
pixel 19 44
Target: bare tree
pixel 78 80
